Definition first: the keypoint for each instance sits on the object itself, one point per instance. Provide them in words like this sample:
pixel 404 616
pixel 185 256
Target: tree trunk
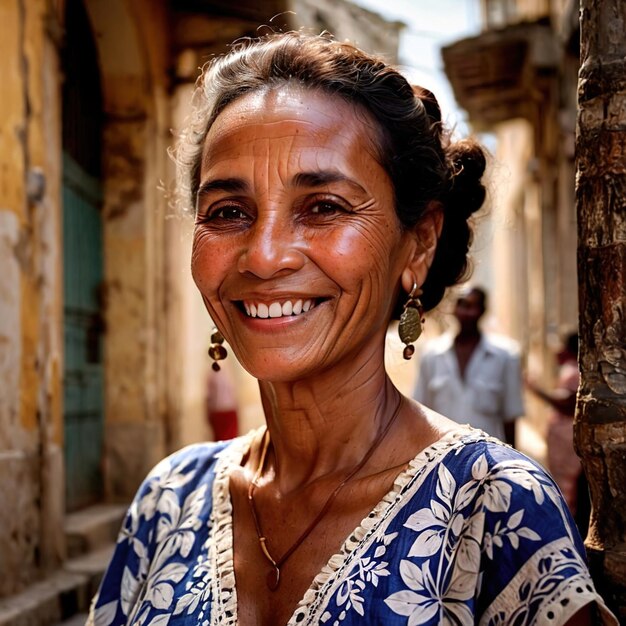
pixel 600 424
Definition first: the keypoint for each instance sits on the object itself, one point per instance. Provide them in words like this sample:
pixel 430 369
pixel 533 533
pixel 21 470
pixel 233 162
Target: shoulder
pixel 190 462
pixel 194 457
pixel 480 457
pixel 437 346
pixel 512 492
pixel 501 345
pixel 497 479
pixel 188 471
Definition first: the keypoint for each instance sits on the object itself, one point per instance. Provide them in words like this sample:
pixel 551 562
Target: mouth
pixel 278 308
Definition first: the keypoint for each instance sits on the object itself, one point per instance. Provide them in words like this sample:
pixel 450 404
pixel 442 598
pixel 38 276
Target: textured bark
pixel 600 425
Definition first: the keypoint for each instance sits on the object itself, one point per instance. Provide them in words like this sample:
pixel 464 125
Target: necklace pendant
pixel 273 579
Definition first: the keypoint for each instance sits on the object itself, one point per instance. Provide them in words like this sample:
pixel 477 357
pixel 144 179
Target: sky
pixel 429 25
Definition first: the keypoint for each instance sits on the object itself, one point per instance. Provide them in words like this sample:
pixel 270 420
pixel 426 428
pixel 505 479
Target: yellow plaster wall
pixel 31 485
pixel 133 56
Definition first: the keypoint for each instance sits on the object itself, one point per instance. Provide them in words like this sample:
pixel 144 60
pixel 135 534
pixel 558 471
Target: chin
pixel 283 368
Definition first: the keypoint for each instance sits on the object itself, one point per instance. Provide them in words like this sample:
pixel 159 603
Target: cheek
pixel 363 246
pixel 206 262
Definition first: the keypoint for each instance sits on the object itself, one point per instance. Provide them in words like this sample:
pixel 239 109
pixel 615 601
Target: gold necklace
pixel 273 576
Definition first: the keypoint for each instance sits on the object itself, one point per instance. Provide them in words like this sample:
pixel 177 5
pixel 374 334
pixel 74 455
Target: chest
pixel 207 568
pixel 290 529
pixel 465 369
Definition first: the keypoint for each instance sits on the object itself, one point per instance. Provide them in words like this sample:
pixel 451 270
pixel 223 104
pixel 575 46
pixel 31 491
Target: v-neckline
pixel 221 551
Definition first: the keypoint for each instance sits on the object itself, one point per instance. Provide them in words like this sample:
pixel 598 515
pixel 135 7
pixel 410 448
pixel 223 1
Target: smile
pixel 286 308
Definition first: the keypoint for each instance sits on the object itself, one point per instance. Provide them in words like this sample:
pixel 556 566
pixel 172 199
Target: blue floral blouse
pixel 472 532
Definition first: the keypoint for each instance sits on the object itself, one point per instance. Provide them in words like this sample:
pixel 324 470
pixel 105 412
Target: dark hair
pixel 482 297
pixel 571 343
pixel 422 163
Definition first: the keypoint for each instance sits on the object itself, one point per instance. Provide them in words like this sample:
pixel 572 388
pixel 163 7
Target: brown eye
pixel 228 213
pixel 326 207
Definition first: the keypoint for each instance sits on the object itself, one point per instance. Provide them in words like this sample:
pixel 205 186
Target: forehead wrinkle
pixel 324 145
pixel 220 134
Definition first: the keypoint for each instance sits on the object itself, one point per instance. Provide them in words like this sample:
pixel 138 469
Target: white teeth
pixel 275 309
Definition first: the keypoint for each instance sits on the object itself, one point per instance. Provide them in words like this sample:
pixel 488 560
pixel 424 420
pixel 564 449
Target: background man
pixel 473 378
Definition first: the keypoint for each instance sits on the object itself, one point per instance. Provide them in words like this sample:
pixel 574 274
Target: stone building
pixel 517 79
pixel 102 337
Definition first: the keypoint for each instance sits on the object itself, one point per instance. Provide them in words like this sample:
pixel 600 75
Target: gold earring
pixel 216 350
pixel 411 320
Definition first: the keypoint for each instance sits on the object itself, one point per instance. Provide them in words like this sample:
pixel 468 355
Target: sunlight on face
pixel 297 248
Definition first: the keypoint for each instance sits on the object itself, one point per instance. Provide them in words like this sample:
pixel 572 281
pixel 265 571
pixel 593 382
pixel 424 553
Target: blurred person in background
pixel 473 377
pixel 329 199
pixel 221 404
pixel 563 462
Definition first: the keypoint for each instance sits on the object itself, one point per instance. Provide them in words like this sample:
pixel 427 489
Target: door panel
pixel 83 275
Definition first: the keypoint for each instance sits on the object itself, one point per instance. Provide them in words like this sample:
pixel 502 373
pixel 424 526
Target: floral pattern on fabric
pixel 472 532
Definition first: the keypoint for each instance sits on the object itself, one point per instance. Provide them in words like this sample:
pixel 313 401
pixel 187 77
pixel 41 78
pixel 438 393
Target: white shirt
pixel 491 393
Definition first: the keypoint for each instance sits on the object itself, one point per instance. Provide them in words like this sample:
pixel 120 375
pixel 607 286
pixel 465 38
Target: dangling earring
pixel 411 320
pixel 216 350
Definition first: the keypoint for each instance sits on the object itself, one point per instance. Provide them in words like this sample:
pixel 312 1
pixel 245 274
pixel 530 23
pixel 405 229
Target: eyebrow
pixel 302 179
pixel 231 185
pixel 322 177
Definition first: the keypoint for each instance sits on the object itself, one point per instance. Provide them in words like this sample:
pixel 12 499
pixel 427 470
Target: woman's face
pixel 297 252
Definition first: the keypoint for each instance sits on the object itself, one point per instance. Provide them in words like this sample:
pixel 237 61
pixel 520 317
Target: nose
pixel 272 247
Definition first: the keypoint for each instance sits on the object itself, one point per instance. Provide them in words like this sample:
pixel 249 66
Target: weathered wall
pixel 347 21
pixel 133 47
pixel 30 297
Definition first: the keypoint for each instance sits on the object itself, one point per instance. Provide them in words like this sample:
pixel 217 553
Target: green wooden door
pixel 82 259
pixel 83 389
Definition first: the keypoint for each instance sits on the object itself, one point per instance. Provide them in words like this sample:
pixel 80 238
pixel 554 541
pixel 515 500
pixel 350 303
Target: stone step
pixel 62 598
pixel 90 529
pixel 77 620
pixel 91 566
pixel 61 595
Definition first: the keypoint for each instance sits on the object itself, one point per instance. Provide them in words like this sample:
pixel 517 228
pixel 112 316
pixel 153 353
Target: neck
pixel 326 423
pixel 468 335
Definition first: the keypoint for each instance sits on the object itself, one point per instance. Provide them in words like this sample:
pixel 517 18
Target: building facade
pixel 517 79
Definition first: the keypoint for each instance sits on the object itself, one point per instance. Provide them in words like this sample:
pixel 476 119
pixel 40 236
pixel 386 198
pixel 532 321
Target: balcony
pixel 503 74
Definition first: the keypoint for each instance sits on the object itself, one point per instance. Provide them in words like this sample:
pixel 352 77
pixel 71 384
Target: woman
pixel 328 200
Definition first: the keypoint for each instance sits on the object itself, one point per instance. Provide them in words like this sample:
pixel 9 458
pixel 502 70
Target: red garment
pixel 224 424
pixel 222 404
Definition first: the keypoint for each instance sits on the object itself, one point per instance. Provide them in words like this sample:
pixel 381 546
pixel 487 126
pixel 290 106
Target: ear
pixel 425 235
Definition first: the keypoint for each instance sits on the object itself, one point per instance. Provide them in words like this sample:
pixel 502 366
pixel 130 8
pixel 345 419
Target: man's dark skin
pixel 468 311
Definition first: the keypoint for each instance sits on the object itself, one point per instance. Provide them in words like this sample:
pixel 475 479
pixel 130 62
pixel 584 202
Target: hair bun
pixel 429 102
pixel 466 190
pixel 465 196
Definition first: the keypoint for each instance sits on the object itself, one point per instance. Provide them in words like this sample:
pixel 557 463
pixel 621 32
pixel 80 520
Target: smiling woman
pixel 328 200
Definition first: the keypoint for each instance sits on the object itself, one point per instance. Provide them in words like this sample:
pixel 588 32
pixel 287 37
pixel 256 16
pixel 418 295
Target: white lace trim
pixel 564 599
pixel 220 539
pixel 223 587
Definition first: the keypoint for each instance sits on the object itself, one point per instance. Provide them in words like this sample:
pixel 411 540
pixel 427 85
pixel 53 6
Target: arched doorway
pixel 82 260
